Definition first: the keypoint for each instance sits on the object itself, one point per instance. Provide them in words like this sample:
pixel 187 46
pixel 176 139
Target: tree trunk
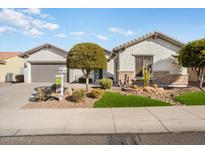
pixel 86 73
pixel 87 83
pixel 202 74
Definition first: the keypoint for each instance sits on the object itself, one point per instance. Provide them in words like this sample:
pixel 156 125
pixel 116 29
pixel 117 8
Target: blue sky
pixel 23 29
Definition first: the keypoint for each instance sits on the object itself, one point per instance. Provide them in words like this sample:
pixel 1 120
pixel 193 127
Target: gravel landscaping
pixel 86 103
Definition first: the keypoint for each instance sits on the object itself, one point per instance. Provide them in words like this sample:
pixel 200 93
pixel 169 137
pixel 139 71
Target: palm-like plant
pixel 146 75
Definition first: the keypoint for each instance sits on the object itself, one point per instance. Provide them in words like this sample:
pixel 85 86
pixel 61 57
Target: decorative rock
pixel 68 92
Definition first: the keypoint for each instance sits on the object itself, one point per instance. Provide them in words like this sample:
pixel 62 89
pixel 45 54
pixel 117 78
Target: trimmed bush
pixel 105 83
pixel 96 93
pixel 19 78
pixel 77 96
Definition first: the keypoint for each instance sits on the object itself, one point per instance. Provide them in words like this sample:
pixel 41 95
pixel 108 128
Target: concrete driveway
pixel 14 96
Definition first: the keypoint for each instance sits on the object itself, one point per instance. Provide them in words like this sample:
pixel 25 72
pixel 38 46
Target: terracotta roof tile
pixel 6 55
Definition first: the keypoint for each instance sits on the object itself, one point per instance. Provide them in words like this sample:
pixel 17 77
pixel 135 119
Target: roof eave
pixel 145 37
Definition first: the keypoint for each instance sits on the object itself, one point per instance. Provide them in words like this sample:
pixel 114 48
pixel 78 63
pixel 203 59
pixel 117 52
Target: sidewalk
pixel 102 121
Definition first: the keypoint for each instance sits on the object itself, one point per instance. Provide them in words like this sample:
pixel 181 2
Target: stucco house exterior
pixel 11 63
pixel 155 50
pixel 41 64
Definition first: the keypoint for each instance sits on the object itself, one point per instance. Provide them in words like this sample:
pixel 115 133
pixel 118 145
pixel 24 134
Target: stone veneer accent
pixel 164 78
pixel 159 77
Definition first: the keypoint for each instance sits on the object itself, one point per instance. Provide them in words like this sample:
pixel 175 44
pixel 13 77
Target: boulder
pixel 68 92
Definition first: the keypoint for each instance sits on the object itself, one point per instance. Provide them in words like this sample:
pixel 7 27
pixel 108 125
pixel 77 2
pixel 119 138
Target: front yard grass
pixel 192 98
pixel 113 99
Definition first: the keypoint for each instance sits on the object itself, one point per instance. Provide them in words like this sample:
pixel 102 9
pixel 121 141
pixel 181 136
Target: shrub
pixel 77 96
pixel 96 93
pixel 43 93
pixel 105 83
pixel 19 78
pixel 53 88
pixel 134 86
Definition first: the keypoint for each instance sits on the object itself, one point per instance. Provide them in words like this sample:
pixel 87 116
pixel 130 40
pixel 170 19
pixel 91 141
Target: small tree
pixel 87 57
pixel 193 55
pixel 146 75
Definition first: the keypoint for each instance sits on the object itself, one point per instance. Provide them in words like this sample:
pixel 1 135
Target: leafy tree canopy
pixel 86 56
pixel 193 54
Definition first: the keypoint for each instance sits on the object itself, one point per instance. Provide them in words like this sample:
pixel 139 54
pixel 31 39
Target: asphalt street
pixel 185 138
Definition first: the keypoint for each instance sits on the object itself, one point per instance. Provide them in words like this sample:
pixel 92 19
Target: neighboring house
pixel 155 50
pixel 42 62
pixel 10 63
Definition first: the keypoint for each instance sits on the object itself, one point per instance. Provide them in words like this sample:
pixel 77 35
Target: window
pixel 141 62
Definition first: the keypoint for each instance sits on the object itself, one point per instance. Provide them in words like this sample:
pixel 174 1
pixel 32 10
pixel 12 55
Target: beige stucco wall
pixel 13 65
pixel 45 55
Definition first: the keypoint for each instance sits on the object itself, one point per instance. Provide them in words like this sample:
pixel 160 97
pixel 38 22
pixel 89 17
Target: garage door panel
pixel 45 72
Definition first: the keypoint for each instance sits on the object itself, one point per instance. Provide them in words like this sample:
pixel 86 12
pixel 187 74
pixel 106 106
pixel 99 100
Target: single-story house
pixel 41 64
pixel 155 50
pixel 10 63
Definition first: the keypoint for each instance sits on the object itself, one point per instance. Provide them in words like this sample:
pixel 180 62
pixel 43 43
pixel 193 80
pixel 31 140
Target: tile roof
pixel 7 55
pixel 144 37
pixel 46 45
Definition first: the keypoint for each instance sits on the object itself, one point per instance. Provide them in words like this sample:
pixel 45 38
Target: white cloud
pixel 129 32
pixel 77 33
pixel 101 37
pixel 46 16
pixel 34 11
pixel 50 26
pixel 33 32
pixel 61 35
pixel 121 31
pixel 116 30
pixel 25 23
pixel 42 24
pixel 14 18
pixel 7 29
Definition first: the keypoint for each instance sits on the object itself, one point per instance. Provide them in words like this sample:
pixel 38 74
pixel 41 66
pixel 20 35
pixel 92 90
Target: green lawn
pixel 112 99
pixel 193 98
